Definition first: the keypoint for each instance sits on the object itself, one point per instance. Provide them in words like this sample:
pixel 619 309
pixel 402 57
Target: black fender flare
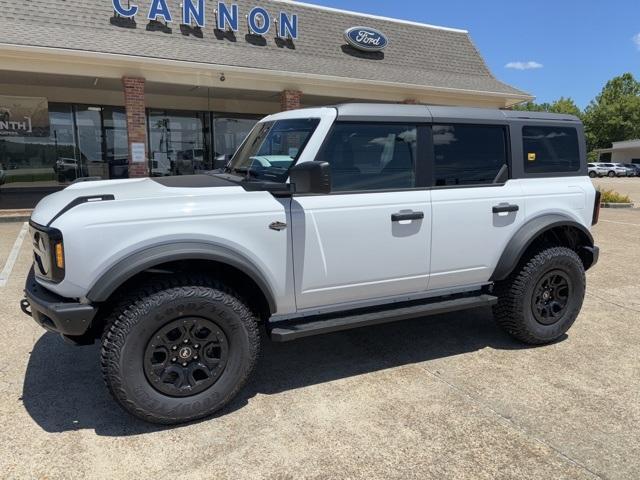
pixel 150 257
pixel 525 236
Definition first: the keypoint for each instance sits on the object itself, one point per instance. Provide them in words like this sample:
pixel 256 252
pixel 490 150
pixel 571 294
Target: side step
pixel 293 330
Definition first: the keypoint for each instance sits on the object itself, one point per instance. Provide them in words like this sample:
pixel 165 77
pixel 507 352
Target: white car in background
pixel 596 170
pixel 613 169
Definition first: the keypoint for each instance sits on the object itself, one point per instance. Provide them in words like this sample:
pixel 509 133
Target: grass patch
pixel 611 196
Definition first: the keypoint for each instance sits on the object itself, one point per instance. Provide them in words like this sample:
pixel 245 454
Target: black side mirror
pixel 311 177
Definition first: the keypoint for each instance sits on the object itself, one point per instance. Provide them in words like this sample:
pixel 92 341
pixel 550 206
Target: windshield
pixel 272 148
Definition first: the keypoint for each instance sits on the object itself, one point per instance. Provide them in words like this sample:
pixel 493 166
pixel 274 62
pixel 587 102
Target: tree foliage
pixel 614 115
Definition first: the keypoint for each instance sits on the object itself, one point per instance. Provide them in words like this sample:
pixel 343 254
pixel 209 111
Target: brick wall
pixel 136 121
pixel 290 100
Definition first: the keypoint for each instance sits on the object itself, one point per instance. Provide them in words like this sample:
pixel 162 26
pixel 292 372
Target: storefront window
pixel 228 134
pixel 178 143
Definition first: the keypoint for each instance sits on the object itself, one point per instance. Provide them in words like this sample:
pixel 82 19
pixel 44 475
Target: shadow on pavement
pixel 63 388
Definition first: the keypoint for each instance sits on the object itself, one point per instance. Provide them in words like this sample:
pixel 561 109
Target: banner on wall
pixel 24 116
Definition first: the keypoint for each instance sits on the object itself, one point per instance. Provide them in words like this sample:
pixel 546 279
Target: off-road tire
pixel 514 311
pixel 137 318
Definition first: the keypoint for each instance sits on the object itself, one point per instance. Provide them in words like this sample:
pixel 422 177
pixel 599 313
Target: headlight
pixel 48 252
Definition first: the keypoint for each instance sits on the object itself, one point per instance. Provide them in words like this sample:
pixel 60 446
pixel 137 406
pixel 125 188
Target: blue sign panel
pixel 366 39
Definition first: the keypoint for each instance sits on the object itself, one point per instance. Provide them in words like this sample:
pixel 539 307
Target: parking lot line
pixel 13 255
pixel 622 223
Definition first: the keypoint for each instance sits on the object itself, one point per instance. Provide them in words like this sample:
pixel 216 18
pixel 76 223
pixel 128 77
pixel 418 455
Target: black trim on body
pixel 170 252
pixel 524 237
pixel 55 313
pixel 194 181
pixel 79 201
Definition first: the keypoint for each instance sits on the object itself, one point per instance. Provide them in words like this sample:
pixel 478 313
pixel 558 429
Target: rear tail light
pixel 596 208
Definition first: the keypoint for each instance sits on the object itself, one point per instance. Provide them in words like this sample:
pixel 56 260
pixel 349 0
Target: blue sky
pixel 574 46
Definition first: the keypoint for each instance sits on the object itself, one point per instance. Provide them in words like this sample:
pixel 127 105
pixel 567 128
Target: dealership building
pixel 131 88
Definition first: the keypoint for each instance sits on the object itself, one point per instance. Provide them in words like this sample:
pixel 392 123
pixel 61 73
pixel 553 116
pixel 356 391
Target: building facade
pixel 127 88
pixel 621 152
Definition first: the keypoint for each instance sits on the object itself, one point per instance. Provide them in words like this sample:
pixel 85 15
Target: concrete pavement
pixel 444 397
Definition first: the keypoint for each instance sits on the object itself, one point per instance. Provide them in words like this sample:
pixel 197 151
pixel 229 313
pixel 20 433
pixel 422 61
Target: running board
pixel 293 330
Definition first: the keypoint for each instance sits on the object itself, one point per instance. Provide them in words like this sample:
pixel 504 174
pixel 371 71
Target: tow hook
pixel 25 306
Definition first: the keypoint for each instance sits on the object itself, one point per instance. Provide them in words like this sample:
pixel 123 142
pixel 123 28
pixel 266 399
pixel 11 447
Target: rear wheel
pixel 179 352
pixel 541 300
pixel 611 174
pixel 593 174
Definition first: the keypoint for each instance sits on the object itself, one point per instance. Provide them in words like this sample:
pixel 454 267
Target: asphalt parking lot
pixel 444 397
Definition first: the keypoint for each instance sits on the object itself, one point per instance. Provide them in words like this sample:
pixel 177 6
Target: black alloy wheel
pixel 551 296
pixel 186 356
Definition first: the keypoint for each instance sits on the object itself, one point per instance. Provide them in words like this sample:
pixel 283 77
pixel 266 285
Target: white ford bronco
pixel 325 219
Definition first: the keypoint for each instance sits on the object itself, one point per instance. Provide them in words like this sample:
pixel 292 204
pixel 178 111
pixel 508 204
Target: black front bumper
pixel 55 313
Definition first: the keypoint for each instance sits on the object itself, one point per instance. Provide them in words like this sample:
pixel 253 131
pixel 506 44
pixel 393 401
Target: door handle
pixel 404 216
pixel 506 208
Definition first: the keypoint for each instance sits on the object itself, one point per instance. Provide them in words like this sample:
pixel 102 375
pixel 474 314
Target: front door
pixel 370 238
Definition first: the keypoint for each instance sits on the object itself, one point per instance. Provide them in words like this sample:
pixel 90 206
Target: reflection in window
pixel 229 133
pixel 468 155
pixel 371 156
pixel 177 143
pixel 42 162
pixel 551 149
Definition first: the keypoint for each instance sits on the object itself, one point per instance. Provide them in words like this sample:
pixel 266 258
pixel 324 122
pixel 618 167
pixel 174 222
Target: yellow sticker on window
pixel 532 157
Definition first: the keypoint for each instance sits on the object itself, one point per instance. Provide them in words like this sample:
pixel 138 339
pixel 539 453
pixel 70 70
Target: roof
pixel 420 55
pixel 393 112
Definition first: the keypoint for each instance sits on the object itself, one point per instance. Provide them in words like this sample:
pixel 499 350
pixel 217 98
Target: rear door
pixel 371 237
pixel 476 207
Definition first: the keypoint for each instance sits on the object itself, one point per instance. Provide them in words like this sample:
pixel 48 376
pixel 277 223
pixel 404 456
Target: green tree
pixel 614 115
pixel 562 105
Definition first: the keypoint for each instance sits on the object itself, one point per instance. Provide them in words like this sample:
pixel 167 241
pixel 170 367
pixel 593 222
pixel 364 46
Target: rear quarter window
pixel 551 149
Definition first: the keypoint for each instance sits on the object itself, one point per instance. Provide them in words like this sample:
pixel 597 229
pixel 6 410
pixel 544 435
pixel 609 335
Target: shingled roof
pixel 420 55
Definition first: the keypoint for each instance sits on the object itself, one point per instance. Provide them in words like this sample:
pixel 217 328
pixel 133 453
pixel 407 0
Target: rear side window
pixel 468 154
pixel 551 149
pixel 371 156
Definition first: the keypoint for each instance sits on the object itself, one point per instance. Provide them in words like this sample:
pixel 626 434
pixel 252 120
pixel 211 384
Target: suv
pixel 325 219
pixel 633 169
pixel 612 169
pixel 596 170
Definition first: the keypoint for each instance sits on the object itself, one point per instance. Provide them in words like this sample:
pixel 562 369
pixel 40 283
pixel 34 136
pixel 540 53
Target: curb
pixel 616 205
pixel 14 218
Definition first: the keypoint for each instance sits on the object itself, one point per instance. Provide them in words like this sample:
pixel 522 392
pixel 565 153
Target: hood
pixel 56 204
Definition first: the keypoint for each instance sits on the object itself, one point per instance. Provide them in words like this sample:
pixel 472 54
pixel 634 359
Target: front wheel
pixel 179 352
pixel 592 174
pixel 611 174
pixel 541 300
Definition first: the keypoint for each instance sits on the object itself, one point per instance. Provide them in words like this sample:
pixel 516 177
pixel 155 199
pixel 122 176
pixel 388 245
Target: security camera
pixel 222 77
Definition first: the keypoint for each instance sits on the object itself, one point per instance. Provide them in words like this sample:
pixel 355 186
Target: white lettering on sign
pixel 366 38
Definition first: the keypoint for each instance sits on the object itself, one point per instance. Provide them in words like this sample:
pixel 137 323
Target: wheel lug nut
pixel 186 340
pixel 195 357
pixel 174 360
pixel 196 345
pixel 174 348
pixel 184 364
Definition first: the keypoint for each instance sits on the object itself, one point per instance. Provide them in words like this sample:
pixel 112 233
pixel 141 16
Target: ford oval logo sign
pixel 367 39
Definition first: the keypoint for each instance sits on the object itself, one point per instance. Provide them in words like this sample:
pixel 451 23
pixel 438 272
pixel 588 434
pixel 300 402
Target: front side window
pixel 371 156
pixel 551 149
pixel 468 154
pixel 272 148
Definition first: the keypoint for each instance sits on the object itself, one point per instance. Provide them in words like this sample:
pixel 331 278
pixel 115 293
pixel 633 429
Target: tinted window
pixel 551 149
pixel 272 148
pixel 371 156
pixel 468 155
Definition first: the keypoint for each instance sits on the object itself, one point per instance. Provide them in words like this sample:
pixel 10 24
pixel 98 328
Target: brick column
pixel 290 100
pixel 136 122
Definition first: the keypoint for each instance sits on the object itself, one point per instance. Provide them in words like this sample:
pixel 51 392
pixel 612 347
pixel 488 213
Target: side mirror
pixel 311 177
